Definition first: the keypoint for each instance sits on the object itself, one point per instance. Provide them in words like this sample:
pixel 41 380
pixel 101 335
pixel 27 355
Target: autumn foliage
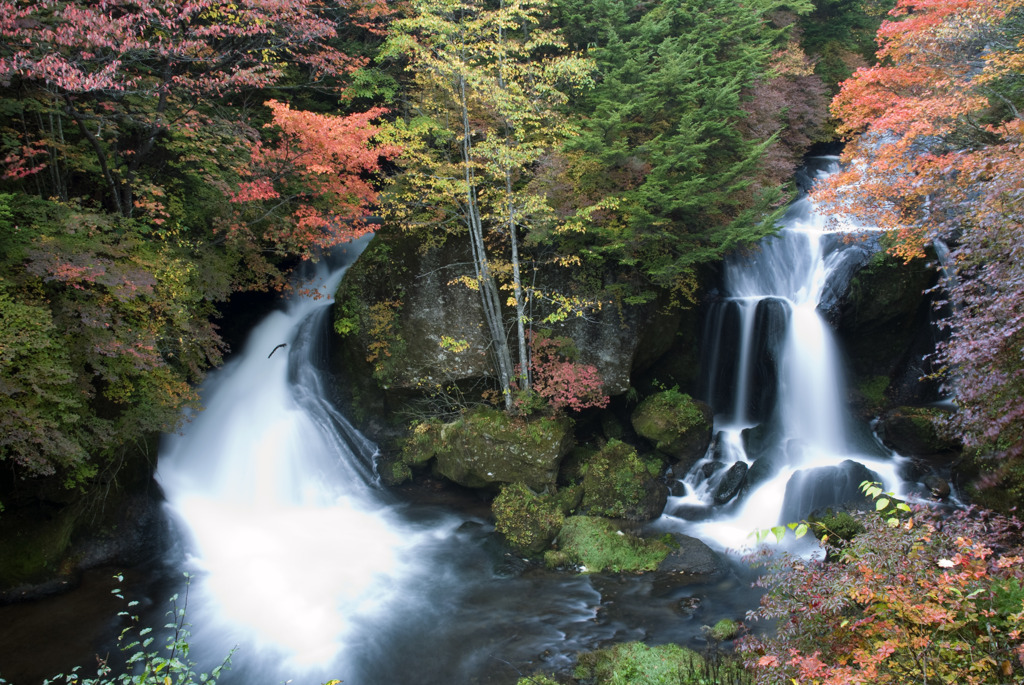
pixel 560 379
pixel 317 178
pixel 930 600
pixel 936 158
pixel 140 188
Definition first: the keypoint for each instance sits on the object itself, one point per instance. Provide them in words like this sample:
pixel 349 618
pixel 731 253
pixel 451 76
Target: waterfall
pixel 776 385
pixel 286 532
pixel 314 572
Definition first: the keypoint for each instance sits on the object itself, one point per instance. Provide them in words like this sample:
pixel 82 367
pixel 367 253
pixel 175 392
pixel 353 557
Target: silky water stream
pixel 311 571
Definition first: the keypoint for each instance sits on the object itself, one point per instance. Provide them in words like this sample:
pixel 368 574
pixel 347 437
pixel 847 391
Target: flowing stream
pixel 301 561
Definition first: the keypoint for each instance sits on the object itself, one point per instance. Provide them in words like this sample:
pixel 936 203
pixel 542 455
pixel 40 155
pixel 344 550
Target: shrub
pixel 561 380
pixel 921 600
pixel 635 662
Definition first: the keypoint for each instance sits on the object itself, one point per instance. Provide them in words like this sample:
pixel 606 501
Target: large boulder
pixel 824 487
pixel 487 447
pixel 692 557
pixel 620 484
pixel 528 521
pixel 914 431
pixel 676 424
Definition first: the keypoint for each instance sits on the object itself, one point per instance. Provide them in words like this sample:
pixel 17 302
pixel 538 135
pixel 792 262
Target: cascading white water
pixel 289 541
pixel 775 382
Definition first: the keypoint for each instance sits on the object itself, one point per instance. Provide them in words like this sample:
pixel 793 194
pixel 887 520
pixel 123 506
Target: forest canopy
pixel 159 157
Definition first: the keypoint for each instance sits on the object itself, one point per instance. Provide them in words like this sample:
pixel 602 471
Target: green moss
pixel 528 521
pixel 422 444
pixel 726 629
pixel 675 423
pixel 597 545
pixel 634 663
pixel 873 390
pixel 488 446
pixel 536 680
pixel 839 525
pixel 616 481
pixel 670 411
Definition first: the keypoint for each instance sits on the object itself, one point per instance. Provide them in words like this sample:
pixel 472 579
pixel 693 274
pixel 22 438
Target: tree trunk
pixel 485 279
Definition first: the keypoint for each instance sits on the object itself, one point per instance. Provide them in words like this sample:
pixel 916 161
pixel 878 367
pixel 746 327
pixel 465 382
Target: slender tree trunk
pixel 488 288
pixel 517 285
pixel 101 156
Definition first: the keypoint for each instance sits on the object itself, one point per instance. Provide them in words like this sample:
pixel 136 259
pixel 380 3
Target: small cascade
pixel 774 381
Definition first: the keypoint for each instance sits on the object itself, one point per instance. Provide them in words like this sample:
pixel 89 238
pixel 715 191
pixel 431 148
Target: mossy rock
pixel 620 484
pixel 634 663
pixel 914 431
pixel 839 526
pixel 487 447
pixel 595 544
pixel 724 630
pixel 537 680
pixel 676 424
pixel 527 520
pixel 574 466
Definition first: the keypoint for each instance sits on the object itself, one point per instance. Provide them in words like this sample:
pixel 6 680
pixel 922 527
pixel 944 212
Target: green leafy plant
pixel 144 663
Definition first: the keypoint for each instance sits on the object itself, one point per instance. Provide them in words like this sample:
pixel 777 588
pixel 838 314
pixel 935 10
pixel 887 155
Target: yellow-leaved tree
pixel 489 85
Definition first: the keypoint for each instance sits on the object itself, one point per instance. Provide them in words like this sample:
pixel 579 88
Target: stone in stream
pixel 732 482
pixel 816 489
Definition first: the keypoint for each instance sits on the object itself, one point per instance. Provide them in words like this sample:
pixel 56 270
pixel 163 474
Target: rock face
pixel 883 322
pixel 397 307
pixel 487 447
pixel 677 425
pixel 404 308
pixel 49 535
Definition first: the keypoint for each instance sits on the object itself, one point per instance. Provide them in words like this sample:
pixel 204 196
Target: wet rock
pixel 708 469
pixel 763 469
pixel 486 447
pixel 692 558
pixel 913 431
pixel 824 487
pixel 759 439
pixel 937 486
pixel 676 424
pixel 689 605
pixel 771 320
pixel 731 484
